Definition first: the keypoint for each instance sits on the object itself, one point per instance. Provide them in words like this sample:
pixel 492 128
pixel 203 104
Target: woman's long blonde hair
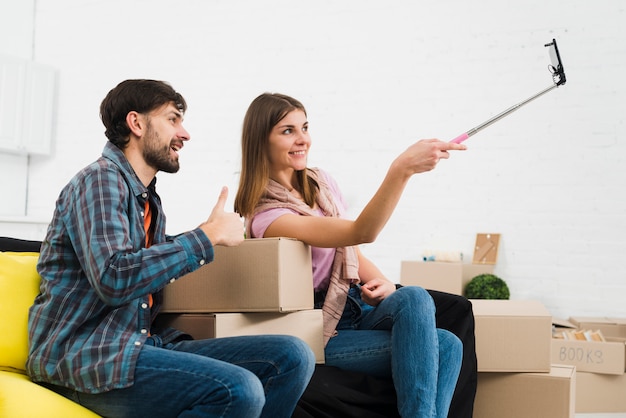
pixel 262 116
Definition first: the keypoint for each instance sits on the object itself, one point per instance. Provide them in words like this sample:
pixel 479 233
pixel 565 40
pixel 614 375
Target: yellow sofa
pixel 19 396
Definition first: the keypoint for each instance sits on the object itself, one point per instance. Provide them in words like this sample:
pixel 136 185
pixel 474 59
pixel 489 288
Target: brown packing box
pixel 512 335
pixel 610 327
pixel 561 325
pixel 306 324
pixel 600 393
pixel 259 275
pixel 525 395
pixel 448 277
pixel 591 356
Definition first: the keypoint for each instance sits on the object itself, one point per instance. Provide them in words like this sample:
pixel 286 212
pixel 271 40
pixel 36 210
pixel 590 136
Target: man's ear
pixel 136 123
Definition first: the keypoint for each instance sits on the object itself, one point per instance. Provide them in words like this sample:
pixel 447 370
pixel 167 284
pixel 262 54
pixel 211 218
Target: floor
pixel 614 415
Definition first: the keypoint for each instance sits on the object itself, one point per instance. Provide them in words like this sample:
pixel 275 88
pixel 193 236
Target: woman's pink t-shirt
pixel 321 258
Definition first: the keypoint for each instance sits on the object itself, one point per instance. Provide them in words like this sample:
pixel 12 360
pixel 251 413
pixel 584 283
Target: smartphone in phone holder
pixel 558 78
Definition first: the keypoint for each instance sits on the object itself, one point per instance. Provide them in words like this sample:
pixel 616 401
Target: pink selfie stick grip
pixel 460 138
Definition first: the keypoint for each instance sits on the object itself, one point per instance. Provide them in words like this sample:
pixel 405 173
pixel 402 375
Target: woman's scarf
pixel 345 264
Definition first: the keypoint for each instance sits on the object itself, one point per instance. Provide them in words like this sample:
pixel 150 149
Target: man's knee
pixel 241 391
pixel 296 354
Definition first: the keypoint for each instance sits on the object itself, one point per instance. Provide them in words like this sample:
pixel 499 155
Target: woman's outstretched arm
pixel 326 232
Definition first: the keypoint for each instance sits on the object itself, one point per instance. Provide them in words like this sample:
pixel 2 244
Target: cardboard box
pixel 561 325
pixel 600 392
pixel 307 325
pixel 591 356
pixel 259 275
pixel 610 327
pixel 443 276
pixel 512 335
pixel 524 395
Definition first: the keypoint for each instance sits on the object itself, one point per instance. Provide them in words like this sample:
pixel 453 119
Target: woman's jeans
pixel 223 377
pixel 399 339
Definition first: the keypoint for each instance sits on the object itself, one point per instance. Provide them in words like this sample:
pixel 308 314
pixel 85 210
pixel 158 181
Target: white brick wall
pixel 376 76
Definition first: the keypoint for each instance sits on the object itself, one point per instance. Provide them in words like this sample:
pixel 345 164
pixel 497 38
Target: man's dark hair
pixel 142 96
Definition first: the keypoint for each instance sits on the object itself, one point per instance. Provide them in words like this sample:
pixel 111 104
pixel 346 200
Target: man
pixel 104 263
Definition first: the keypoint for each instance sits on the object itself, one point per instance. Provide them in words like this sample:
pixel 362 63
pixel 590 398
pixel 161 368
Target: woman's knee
pixel 450 345
pixel 416 298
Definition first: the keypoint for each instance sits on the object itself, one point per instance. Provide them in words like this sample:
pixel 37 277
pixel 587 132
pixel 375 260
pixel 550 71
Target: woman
pixel 369 326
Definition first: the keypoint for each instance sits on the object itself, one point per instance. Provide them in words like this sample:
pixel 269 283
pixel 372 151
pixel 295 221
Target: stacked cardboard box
pixel 259 275
pixel 602 393
pixel 305 324
pixel 524 395
pixel 516 377
pixel 610 327
pixel 512 335
pixel 451 277
pixel 605 357
pixel 597 348
pixel 262 286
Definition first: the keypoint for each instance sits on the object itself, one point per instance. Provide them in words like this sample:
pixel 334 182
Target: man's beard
pixel 158 156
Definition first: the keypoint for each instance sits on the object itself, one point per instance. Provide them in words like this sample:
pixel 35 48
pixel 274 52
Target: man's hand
pixel 223 228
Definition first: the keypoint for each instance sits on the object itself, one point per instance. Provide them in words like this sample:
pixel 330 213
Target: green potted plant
pixel 487 286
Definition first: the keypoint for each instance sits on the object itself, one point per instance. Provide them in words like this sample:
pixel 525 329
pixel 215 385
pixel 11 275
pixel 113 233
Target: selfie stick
pixel 558 77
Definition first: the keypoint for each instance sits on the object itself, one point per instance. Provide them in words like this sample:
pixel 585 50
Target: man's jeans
pixel 398 338
pixel 225 377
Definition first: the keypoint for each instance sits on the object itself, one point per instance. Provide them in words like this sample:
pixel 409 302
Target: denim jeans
pixel 399 339
pixel 226 377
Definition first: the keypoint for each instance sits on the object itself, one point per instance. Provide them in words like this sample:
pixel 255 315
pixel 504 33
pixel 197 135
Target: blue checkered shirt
pixel 92 317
